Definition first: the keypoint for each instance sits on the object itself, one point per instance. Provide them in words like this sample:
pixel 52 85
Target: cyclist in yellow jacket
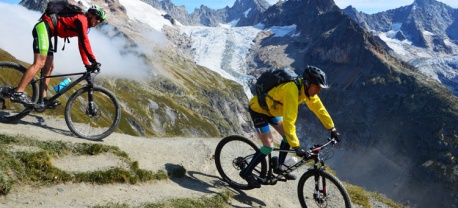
pixel 283 118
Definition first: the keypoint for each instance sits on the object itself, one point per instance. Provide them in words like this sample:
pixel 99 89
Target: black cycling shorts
pixel 261 121
pixel 42 39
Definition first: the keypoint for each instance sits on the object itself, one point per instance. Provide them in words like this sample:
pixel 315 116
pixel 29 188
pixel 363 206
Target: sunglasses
pixel 98 18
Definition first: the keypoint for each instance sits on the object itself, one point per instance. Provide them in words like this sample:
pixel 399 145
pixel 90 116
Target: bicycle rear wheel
pixel 99 123
pixel 10 76
pixel 232 155
pixel 327 192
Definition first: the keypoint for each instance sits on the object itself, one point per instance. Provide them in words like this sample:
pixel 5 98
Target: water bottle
pixel 291 161
pixel 62 84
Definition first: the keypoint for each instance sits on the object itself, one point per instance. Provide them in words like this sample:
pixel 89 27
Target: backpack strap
pixel 276 102
pixel 66 27
pixel 54 23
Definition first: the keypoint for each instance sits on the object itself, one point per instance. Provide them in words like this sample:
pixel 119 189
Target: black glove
pixel 335 135
pixel 94 66
pixel 301 151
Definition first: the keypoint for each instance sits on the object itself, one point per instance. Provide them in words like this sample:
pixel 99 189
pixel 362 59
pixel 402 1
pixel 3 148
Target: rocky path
pixel 194 154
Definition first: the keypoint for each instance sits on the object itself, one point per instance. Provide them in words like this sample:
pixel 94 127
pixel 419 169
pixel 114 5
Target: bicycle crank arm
pixel 270 181
pixel 39 107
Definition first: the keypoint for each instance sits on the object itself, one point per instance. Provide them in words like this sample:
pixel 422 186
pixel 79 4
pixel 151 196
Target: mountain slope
pixel 423 34
pixel 176 97
pixel 386 110
pixel 242 13
pixel 383 106
pixel 378 101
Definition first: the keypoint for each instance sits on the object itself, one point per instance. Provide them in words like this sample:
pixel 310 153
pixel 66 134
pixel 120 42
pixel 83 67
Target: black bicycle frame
pixel 272 180
pixel 85 76
pixel 313 155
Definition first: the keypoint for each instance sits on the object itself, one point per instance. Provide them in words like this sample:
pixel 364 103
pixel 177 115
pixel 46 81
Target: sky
pixel 366 6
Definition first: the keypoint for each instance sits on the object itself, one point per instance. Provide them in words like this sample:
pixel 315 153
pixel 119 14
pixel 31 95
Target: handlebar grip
pixel 94 67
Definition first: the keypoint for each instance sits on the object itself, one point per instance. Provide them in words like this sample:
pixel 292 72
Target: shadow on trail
pixel 40 122
pixel 177 174
pixel 202 182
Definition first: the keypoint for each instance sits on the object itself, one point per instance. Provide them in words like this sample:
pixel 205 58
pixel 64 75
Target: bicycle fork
pixel 91 110
pixel 319 194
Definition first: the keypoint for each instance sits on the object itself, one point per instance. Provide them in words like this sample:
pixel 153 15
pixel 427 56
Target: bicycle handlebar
pixel 313 150
pixel 93 67
pixel 316 148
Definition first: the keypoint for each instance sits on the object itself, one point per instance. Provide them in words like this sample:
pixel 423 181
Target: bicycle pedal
pixel 283 179
pixel 53 105
pixel 50 107
pixel 31 106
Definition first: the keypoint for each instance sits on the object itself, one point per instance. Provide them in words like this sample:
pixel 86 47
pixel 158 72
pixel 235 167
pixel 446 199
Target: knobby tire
pixel 10 75
pixel 92 126
pixel 337 196
pixel 232 154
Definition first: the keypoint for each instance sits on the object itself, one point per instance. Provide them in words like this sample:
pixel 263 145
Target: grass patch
pixel 219 200
pixel 5 185
pixel 386 201
pixel 35 168
pixel 360 197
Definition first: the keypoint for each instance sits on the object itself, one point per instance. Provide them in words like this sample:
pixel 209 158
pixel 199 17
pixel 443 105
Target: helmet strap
pixel 306 87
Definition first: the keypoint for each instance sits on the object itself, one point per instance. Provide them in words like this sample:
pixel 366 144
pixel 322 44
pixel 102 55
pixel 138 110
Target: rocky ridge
pixel 242 13
pixel 423 34
pixel 378 101
pixel 375 100
pixel 174 101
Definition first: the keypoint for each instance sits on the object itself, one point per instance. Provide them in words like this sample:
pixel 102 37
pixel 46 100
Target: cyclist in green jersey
pixel 43 58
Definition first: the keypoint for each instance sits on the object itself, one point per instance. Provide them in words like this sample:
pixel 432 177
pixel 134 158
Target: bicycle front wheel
pixel 232 155
pixel 92 122
pixel 10 76
pixel 321 189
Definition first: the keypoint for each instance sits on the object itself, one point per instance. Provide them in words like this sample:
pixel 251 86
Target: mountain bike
pixel 316 188
pixel 91 112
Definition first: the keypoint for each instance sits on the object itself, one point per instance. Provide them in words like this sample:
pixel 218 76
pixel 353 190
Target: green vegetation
pixel 216 201
pixel 386 201
pixel 188 100
pixel 27 161
pixel 360 197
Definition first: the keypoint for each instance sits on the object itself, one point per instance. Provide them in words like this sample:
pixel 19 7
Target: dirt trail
pixel 194 154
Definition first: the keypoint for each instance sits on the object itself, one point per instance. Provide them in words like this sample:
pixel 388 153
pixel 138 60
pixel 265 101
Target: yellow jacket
pixel 288 95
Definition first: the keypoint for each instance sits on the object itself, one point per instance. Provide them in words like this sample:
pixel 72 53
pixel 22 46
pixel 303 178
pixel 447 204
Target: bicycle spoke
pixel 332 195
pixel 92 123
pixel 232 155
pixel 10 76
pixel 235 160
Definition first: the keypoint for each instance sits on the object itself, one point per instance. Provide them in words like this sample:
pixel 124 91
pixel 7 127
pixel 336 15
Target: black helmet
pixel 314 75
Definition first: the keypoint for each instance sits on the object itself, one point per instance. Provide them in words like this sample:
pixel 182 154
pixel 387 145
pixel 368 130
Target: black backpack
pixel 61 8
pixel 272 78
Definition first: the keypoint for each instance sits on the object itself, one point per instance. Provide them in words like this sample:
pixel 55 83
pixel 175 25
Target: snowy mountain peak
pixel 424 34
